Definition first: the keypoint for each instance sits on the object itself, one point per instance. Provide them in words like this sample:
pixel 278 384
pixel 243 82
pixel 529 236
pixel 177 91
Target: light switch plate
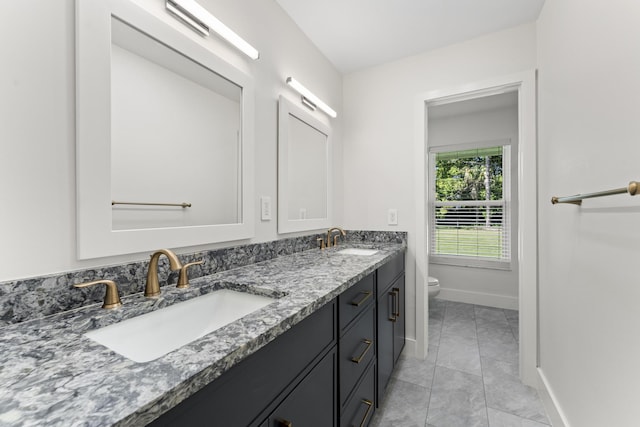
pixel 265 208
pixel 392 217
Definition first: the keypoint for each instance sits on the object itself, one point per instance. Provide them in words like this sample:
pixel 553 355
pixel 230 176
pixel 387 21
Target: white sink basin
pixel 358 251
pixel 155 334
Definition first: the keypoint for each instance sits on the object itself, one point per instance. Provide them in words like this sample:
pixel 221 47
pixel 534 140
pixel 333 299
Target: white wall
pixel 589 87
pixel 498 288
pixel 37 92
pixel 379 127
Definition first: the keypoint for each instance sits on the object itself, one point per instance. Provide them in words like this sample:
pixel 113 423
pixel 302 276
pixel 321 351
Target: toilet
pixel 434 287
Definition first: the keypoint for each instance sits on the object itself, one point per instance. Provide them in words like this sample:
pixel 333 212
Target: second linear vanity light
pixel 202 21
pixel 309 99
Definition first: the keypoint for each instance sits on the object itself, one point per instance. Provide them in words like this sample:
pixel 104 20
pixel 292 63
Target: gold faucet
pixel 111 297
pixel 335 238
pixel 153 287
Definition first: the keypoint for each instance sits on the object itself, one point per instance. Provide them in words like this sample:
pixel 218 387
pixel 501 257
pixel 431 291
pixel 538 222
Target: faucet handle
pixel 183 276
pixel 320 241
pixel 111 297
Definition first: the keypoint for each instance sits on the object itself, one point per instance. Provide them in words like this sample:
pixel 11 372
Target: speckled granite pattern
pixel 52 375
pixel 26 299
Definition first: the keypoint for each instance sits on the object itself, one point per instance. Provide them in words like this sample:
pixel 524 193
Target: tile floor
pixel 470 376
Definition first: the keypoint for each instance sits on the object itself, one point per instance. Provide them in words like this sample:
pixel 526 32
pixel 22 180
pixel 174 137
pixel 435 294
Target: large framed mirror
pixel 304 169
pixel 164 136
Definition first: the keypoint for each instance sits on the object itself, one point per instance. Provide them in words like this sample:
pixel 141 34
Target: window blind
pixel 478 229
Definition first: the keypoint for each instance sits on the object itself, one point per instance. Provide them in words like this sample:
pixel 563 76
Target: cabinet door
pixel 313 403
pixel 398 289
pixel 386 303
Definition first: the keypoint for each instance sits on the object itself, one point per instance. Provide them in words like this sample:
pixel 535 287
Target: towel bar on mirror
pixel 183 204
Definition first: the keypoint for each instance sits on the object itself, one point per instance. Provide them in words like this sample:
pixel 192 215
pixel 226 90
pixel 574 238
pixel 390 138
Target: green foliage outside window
pixel 469 175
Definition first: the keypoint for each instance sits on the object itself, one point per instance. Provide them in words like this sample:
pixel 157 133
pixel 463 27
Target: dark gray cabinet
pixel 357 352
pixel 390 320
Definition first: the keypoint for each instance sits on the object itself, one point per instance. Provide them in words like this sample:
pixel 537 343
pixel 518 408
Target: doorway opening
pixel 484 242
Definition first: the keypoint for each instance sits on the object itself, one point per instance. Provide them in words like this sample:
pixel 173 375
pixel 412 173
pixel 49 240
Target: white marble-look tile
pixel 459 310
pixel 459 326
pixel 515 329
pixel 505 392
pixel 494 370
pixel 435 330
pixel 459 352
pixel 436 309
pixel 489 315
pixel 512 315
pixel 503 419
pixel 498 344
pixel 457 400
pixel 405 404
pixel 417 371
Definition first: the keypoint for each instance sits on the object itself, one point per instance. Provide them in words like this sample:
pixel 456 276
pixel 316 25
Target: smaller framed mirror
pixel 304 170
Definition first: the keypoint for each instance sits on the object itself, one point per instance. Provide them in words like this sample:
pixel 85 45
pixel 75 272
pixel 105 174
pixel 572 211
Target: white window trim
pixel 467 261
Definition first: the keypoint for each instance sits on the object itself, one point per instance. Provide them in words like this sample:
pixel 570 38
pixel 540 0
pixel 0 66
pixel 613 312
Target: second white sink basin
pixel 358 251
pixel 152 335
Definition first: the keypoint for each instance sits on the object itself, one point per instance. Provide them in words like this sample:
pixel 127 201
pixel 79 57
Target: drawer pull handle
pixel 367 295
pixel 285 423
pixel 366 414
pixel 364 353
pixel 397 300
pixel 393 316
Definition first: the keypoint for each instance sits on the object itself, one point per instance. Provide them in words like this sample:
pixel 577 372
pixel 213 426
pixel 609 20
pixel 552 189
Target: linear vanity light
pixel 194 23
pixel 202 21
pixel 309 98
pixel 310 105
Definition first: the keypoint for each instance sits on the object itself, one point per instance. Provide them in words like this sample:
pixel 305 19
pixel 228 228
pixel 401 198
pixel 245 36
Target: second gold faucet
pixel 332 240
pixel 152 289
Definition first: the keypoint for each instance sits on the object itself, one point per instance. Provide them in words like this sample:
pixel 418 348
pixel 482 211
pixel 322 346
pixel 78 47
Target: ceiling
pixel 356 34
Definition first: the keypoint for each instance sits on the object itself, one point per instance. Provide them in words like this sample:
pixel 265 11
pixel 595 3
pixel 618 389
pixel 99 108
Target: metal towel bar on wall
pixel 633 189
pixel 182 205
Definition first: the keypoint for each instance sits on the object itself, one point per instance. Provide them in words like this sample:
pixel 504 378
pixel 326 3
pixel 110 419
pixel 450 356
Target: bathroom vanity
pixel 321 370
pixel 315 352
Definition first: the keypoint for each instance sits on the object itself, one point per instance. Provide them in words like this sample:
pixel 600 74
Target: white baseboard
pixel 410 347
pixel 480 298
pixel 556 416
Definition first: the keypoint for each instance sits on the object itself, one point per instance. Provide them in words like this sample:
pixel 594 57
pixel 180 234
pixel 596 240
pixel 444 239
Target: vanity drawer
pixel 355 300
pixel 313 402
pixel 361 406
pixel 356 350
pixel 389 272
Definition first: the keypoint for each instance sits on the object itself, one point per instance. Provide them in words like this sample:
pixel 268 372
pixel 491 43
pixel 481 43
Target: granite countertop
pixel 53 375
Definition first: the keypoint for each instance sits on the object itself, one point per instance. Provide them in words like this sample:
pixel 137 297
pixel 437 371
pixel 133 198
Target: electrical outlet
pixel 392 217
pixel 265 208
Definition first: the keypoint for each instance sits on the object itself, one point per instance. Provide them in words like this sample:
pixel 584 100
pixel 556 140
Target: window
pixel 469 205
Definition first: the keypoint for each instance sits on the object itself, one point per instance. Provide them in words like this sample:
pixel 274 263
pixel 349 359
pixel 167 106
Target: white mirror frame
pixel 285 224
pixel 96 238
